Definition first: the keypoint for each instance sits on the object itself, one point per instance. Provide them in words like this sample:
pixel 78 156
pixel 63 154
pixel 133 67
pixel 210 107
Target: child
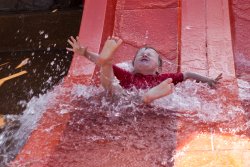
pixel 147 65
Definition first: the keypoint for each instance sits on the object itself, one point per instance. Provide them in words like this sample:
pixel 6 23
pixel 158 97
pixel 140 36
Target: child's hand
pixel 113 42
pixel 76 46
pixel 212 82
pixel 110 46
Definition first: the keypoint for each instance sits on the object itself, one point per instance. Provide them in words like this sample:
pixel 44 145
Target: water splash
pixel 46 36
pixel 41 32
pixel 19 127
pixel 244 89
pixel 102 127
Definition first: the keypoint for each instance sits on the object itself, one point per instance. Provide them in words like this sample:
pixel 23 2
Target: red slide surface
pixel 193 35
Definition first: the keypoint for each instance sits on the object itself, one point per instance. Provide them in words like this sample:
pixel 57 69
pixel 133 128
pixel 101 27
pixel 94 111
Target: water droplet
pixel 41 32
pixel 31 92
pixel 46 36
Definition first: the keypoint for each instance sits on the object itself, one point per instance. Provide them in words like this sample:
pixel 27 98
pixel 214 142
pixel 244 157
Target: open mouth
pixel 144 59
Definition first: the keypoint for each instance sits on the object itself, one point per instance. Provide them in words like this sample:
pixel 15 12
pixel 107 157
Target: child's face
pixel 146 61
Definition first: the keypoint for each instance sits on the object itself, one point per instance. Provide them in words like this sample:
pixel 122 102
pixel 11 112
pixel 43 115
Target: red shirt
pixel 140 81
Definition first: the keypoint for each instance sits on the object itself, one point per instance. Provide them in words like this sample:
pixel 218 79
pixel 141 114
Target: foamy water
pixel 20 126
pixel 125 121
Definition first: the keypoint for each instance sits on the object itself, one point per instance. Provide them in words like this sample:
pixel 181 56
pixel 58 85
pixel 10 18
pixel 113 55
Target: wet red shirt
pixel 140 81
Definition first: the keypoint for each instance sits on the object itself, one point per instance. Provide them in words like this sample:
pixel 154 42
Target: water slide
pixel 192 35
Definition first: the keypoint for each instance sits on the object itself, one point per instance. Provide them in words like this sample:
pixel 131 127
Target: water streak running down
pixel 101 128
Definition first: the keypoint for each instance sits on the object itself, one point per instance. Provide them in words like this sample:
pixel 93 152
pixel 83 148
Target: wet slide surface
pixel 241 24
pixel 196 126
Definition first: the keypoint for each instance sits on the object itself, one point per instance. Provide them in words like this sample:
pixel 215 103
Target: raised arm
pixel 81 50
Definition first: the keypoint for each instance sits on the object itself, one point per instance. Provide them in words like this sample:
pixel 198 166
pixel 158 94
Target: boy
pixel 147 67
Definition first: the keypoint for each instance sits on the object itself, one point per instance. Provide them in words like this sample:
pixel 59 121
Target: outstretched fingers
pixel 70 49
pixel 215 81
pixel 78 41
pixel 73 39
pixel 219 77
pixel 115 38
pixel 70 42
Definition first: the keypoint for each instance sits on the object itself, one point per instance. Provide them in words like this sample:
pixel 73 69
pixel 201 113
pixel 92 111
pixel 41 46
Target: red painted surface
pixel 91 35
pixel 219 41
pixel 206 38
pixel 240 18
pixel 42 143
pixel 146 4
pixel 206 48
pixel 193 38
pixel 146 27
pixel 137 27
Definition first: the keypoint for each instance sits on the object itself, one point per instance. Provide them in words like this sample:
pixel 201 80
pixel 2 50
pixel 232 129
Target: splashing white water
pixel 244 89
pixel 46 36
pixel 185 102
pixel 188 102
pixel 19 127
